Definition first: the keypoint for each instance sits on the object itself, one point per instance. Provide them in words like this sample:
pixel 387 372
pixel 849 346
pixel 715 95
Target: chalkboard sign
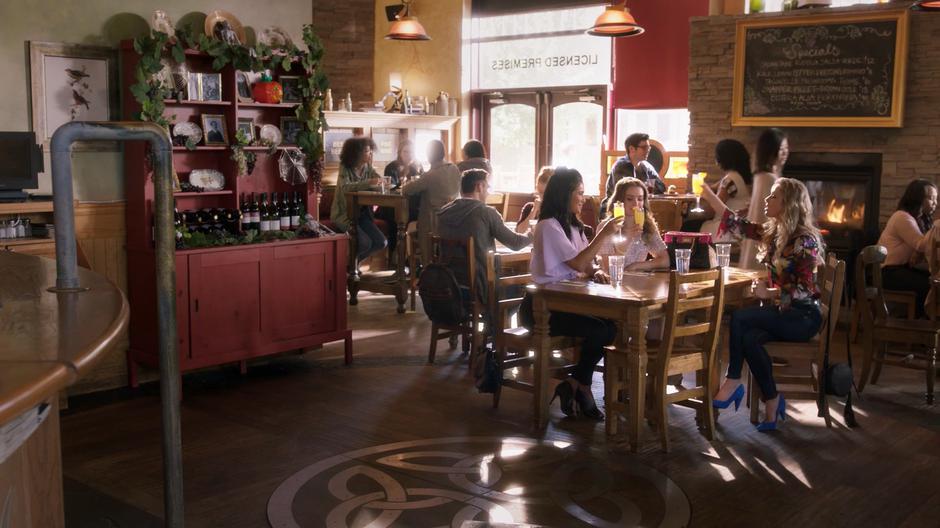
pixel 838 70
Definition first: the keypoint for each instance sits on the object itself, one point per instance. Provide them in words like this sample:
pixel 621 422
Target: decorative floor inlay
pixel 444 482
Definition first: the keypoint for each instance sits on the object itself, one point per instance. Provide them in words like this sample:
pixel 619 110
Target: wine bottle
pixel 295 211
pixel 245 215
pixel 284 213
pixel 265 218
pixel 254 213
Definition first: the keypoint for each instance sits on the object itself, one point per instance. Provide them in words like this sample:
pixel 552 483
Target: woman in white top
pixel 560 251
pixel 906 237
pixel 772 152
pixel 635 243
pixel 734 189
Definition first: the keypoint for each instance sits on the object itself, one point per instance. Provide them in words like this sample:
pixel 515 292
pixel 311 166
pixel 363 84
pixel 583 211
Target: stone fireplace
pixel 893 156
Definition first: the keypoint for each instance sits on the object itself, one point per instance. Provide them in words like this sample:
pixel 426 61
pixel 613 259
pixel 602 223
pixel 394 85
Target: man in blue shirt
pixel 634 164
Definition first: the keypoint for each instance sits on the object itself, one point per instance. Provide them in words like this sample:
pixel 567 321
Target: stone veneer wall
pixel 347 29
pixel 909 152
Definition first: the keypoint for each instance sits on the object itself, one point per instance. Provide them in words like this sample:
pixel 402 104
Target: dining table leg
pixel 352 277
pixel 636 367
pixel 401 294
pixel 543 354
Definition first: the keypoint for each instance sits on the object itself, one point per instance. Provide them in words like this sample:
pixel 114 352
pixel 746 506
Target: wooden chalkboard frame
pixel 895 119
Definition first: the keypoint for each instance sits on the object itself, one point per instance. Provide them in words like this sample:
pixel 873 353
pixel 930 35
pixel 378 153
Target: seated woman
pixel 906 237
pixel 773 149
pixel 474 157
pixel 560 251
pixel 791 247
pixel 530 211
pixel 439 186
pixel 734 189
pixel 399 172
pixel 636 243
pixel 356 174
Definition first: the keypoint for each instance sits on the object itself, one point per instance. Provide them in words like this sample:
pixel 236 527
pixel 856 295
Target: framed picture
pixel 333 140
pixel 210 86
pixel 386 143
pixel 192 86
pixel 72 82
pixel 243 87
pixel 291 86
pixel 213 129
pixel 290 127
pixel 246 125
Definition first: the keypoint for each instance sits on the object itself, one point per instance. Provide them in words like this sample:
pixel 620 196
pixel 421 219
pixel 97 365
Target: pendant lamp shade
pixel 929 5
pixel 615 21
pixel 406 27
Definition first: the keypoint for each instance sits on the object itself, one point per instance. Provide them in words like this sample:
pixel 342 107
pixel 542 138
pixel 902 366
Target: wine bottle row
pixel 274 215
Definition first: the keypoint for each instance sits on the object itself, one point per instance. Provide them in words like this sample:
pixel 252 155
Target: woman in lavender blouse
pixel 560 251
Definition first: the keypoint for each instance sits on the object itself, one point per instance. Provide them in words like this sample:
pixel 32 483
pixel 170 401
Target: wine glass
pixel 639 218
pixel 698 183
pixel 618 213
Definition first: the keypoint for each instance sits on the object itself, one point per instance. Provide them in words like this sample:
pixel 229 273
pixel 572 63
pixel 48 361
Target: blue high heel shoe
pixel 736 398
pixel 780 415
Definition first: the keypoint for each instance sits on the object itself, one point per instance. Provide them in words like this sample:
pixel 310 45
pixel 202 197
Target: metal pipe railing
pixel 67 271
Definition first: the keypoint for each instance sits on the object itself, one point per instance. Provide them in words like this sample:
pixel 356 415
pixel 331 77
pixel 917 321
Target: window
pixel 772 6
pixel 669 127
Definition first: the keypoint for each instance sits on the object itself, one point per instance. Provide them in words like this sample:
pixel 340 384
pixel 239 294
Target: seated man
pixel 470 216
pixel 634 165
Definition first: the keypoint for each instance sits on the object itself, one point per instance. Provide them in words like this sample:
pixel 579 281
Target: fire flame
pixel 836 212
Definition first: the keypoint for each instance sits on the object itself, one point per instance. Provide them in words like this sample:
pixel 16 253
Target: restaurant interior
pixel 469 263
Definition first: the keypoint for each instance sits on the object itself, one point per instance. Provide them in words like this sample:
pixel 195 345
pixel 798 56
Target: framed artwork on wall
pixel 72 82
pixel 333 140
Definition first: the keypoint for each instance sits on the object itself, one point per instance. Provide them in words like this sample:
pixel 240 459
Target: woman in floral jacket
pixel 791 247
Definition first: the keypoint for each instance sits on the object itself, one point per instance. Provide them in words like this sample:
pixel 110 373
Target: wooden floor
pixel 315 435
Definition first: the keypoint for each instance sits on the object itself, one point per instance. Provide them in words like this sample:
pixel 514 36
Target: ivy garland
pixel 150 92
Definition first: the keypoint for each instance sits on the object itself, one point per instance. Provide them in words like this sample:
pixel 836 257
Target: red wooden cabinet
pixel 296 307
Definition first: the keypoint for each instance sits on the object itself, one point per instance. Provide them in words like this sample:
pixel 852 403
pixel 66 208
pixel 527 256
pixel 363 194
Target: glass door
pixel 510 124
pixel 577 131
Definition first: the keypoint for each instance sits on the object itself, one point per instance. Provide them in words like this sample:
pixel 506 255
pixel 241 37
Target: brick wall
pixel 347 29
pixel 909 152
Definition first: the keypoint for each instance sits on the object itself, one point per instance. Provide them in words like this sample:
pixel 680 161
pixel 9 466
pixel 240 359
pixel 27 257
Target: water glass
pixel 615 264
pixel 723 252
pixel 683 256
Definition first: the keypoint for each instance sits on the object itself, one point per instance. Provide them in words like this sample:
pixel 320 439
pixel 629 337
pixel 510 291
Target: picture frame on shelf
pixel 290 84
pixel 290 128
pixel 214 130
pixel 243 87
pixel 72 82
pixel 246 125
pixel 210 86
pixel 192 86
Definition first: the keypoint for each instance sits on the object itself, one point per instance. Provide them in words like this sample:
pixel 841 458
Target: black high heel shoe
pixel 566 393
pixel 587 408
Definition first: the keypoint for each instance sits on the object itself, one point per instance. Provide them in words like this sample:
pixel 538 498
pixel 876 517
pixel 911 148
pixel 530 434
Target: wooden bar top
pixel 49 340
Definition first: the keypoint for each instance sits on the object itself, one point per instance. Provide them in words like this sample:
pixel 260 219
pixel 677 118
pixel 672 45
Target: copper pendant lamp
pixel 929 5
pixel 615 21
pixel 406 27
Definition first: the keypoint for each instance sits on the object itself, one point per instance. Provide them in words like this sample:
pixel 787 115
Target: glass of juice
pixel 698 183
pixel 618 210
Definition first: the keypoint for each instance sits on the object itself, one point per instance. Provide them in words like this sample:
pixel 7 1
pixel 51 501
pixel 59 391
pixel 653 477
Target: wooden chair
pixel 668 214
pixel 831 285
pixel 458 255
pixel 878 329
pixel 672 357
pixel 903 299
pixel 500 201
pixel 513 343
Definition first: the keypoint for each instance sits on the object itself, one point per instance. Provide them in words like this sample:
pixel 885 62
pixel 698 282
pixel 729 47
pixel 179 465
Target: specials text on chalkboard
pixel 835 70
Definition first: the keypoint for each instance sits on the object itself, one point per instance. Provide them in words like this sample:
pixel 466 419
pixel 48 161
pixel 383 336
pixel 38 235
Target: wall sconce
pixel 405 26
pixel 615 21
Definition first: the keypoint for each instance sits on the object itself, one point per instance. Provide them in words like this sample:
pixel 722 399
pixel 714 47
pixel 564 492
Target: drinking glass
pixel 723 252
pixel 615 264
pixel 618 210
pixel 683 256
pixel 698 182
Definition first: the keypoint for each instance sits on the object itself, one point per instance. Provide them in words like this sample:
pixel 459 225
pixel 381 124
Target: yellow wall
pixel 426 67
pixel 98 176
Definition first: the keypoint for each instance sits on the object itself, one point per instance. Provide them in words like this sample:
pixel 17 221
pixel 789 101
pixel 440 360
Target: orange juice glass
pixel 618 210
pixel 639 216
pixel 698 182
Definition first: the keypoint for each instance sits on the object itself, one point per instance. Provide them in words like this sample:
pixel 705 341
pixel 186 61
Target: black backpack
pixel 440 295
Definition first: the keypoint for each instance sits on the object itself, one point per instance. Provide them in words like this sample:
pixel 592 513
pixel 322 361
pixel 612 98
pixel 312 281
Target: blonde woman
pixel 637 243
pixel 791 247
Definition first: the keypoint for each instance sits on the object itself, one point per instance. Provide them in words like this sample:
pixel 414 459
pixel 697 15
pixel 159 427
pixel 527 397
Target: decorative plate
pixel 272 134
pixel 187 129
pixel 275 37
pixel 230 30
pixel 208 179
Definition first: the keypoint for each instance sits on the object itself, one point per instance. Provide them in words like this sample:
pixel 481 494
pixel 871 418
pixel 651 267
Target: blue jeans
pixel 754 326
pixel 369 238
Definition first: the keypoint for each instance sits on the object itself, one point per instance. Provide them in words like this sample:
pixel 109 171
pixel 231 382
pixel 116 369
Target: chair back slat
pixel 869 293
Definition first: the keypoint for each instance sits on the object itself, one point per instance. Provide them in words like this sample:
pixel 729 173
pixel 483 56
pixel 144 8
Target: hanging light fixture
pixel 406 27
pixel 929 5
pixel 615 21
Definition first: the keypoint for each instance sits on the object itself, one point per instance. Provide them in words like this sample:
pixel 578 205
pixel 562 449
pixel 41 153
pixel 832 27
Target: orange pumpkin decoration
pixel 267 90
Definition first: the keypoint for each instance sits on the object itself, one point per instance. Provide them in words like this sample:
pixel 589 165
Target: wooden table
pixel 47 342
pixel 639 298
pixel 677 198
pixel 394 282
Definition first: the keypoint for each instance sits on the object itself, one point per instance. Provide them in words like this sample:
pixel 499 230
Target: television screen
pixel 20 160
